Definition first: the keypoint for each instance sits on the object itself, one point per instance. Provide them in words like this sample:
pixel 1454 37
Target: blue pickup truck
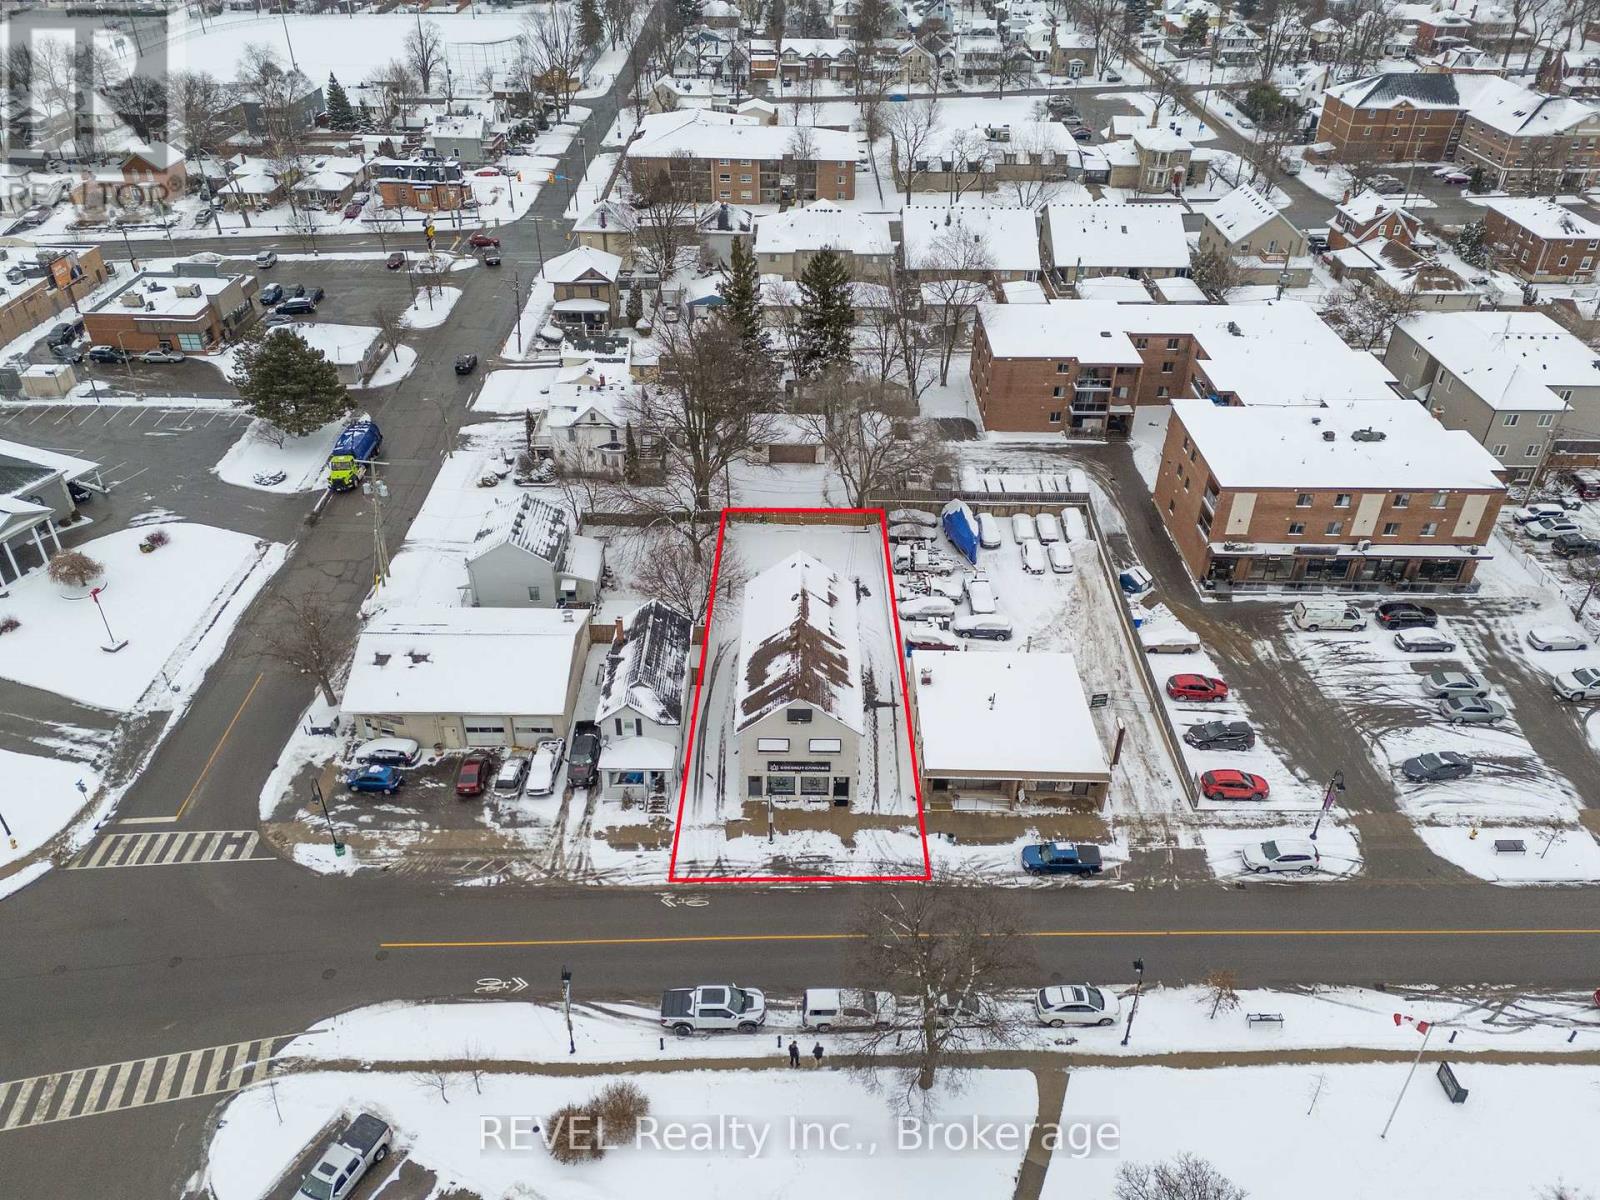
pixel 1061 858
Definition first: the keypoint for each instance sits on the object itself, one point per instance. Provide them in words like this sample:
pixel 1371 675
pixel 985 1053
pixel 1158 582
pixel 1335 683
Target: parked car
pixel 988 532
pixel 1386 185
pixel 583 762
pixel 1023 528
pixel 1298 855
pixel 824 1009
pixel 919 635
pixel 1060 556
pixel 1402 614
pixel 1033 558
pixel 1049 527
pixel 482 241
pixel 1229 784
pixel 66 352
pixel 375 779
pixel 491 258
pixel 161 356
pixel 1471 710
pixel 474 773
pixel 1436 766
pixel 296 290
pixel 108 354
pixel 353 209
pixel 389 752
pixel 994 628
pixel 1423 641
pixel 396 260
pixel 1081 133
pixel 466 364
pixel 1530 513
pixel 713 1007
pixel 1062 858
pixel 1556 637
pixel 64 334
pixel 270 294
pixel 1220 735
pixel 274 320
pixel 1196 687
pixel 1551 527
pixel 1575 545
pixel 313 293
pixel 1585 483
pixel 1315 615
pixel 1453 683
pixel 546 766
pixel 508 779
pixel 1075 1004
pixel 1582 684
pixel 266 259
pixel 979 593
pixel 297 306
pixel 364 1143
pixel 927 606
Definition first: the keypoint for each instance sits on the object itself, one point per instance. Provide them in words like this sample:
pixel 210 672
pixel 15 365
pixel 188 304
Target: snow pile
pixel 42 795
pixel 258 455
pixel 430 309
pixel 1555 854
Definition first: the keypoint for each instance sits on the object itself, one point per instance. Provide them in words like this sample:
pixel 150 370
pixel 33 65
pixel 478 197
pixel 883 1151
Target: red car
pixel 475 773
pixel 1233 785
pixel 481 239
pixel 1196 687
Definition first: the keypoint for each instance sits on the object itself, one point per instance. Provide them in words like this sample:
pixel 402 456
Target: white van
pixel 980 595
pixel 1033 558
pixel 1023 528
pixel 1072 520
pixel 988 532
pixel 823 1009
pixel 1049 528
pixel 1312 615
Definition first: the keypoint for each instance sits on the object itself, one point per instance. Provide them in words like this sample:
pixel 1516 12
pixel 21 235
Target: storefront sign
pixel 775 766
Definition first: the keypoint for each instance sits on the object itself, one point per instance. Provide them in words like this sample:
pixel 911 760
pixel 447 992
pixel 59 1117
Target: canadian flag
pixel 1402 1019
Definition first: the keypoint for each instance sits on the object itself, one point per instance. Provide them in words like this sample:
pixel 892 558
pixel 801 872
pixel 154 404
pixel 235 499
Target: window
pixel 1058 392
pixel 1335 528
pixel 533 595
pixel 1391 528
pixel 773 745
pixel 626 726
pixel 825 745
pixel 752 785
pixel 813 785
pixel 724 178
pixel 798 716
pixel 1342 500
pixel 1499 450
pixel 1063 368
pixel 1546 420
pixel 1562 261
pixel 1166 368
pixel 191 341
pixel 1439 499
pixel 1296 528
pixel 780 785
pixel 744 179
pixel 1510 419
pixel 1431 528
pixel 1586 263
pixel 1532 451
pixel 1303 500
pixel 1161 391
pixel 1141 343
pixel 1055 416
pixel 1172 343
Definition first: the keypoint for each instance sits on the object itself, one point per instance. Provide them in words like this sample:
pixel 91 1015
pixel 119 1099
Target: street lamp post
pixel 1335 786
pixel 11 838
pixel 1138 986
pixel 566 1007
pixel 333 836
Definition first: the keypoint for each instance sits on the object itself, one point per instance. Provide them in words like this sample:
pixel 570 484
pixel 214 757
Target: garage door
pixel 487 731
pixel 792 454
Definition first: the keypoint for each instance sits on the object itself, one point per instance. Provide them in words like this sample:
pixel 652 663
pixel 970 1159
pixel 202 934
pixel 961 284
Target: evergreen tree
pixel 1134 15
pixel 630 456
pixel 1194 33
pixel 826 314
pixel 1245 10
pixel 687 13
pixel 591 28
pixel 340 114
pixel 289 385
pixel 635 311
pixel 1472 244
pixel 741 288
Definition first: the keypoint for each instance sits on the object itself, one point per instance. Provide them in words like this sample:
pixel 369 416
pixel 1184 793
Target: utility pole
pixel 566 1007
pixel 377 490
pixel 516 303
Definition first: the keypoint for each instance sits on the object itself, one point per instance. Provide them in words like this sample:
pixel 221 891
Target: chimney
pixel 617 636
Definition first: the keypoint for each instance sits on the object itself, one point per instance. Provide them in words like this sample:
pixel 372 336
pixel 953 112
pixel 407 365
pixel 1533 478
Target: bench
pixel 1510 846
pixel 1264 1019
pixel 1452 1088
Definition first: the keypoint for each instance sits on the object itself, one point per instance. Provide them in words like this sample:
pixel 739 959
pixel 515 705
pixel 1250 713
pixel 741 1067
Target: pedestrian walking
pixel 816 1054
pixel 794 1053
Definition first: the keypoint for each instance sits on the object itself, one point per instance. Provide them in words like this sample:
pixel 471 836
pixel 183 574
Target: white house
pixel 642 703
pixel 527 556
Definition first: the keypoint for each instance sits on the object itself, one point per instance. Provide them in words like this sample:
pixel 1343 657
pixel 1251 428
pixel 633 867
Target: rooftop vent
pixel 1368 435
pixel 417 656
pixel 380 659
pixel 1233 328
pixel 1329 435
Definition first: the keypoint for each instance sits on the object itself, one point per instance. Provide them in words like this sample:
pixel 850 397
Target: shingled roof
pixel 800 643
pixel 1395 87
pixel 531 523
pixel 645 672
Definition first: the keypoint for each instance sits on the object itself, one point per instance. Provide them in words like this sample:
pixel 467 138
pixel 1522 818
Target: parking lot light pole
pixel 1335 787
pixel 338 846
pixel 1138 986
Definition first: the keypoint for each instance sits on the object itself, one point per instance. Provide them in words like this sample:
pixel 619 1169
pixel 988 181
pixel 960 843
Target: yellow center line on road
pixel 691 939
pixel 217 749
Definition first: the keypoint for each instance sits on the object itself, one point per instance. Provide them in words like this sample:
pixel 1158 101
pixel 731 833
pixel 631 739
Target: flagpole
pixel 1426 1034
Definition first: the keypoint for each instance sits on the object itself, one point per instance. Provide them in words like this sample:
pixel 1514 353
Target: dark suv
pixel 583 761
pixel 1402 614
pixel 64 334
pixel 1575 545
pixel 1221 735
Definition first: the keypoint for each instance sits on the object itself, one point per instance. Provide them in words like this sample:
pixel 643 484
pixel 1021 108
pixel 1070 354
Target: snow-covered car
pixel 1060 556
pixel 913 516
pixel 389 751
pixel 545 767
pixel 1075 1004
pixel 927 606
pixel 1049 527
pixel 1453 683
pixel 1296 855
pixel 508 780
pixel 988 532
pixel 992 627
pixel 919 635
pixel 1423 641
pixel 1556 637
pixel 952 587
pixel 1582 684
pixel 1023 528
pixel 980 597
pixel 1529 513
pixel 269 478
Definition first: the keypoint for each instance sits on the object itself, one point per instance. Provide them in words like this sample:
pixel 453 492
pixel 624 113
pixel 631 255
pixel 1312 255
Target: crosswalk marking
pixel 115 1087
pixel 176 848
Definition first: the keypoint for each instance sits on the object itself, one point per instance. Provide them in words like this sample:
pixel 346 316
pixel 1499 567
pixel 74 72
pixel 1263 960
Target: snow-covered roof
pixel 323 181
pixel 1511 108
pixel 70 466
pixel 800 643
pixel 506 661
pixel 1180 289
pixel 578 262
pixel 704 134
pixel 1510 360
pixel 159 155
pixel 823 225
pixel 586 559
pixel 1005 715
pixel 1023 291
pixel 1394 88
pixel 1009 234
pixel 1114 289
pixel 1366 206
pixel 646 671
pixel 1270 448
pixel 1160 140
pixel 530 523
pixel 1543 218
pixel 1118 236
pixel 1240 213
pixel 1049 331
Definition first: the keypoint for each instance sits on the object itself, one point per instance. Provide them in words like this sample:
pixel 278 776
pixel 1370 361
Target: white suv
pixel 1075 1004
pixel 1582 684
pixel 1282 855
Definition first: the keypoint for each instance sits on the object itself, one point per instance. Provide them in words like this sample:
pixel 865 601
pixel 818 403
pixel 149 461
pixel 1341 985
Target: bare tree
pixel 947 951
pixel 74 568
pixel 551 52
pixel 620 18
pixel 1185 1177
pixel 965 150
pixel 666 215
pixel 869 451
pixel 1040 172
pixel 1364 314
pixel 1215 272
pixel 1220 987
pixel 953 271
pixel 424 51
pixel 200 105
pixel 394 85
pixel 390 327
pixel 1586 573
pixel 668 567
pixel 435 1079
pixel 911 126
pixel 305 632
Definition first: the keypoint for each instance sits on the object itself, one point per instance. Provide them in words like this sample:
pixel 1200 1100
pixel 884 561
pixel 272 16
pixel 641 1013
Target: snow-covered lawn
pixel 1550 854
pixel 1336 843
pixel 42 795
pixel 257 452
pixel 445 1134
pixel 1312 1131
pixel 176 608
pixel 397 363
pixel 430 309
pixel 513 392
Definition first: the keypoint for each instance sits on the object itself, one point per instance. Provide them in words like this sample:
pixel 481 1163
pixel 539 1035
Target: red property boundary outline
pixel 905 694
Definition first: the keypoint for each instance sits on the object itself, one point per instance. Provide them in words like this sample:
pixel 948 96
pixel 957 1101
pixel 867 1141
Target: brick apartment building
pixel 172 312
pixel 420 184
pixel 1394 117
pixel 1366 495
pixel 1527 143
pixel 48 288
pixel 1540 241
pixel 712 156
pixel 1081 367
